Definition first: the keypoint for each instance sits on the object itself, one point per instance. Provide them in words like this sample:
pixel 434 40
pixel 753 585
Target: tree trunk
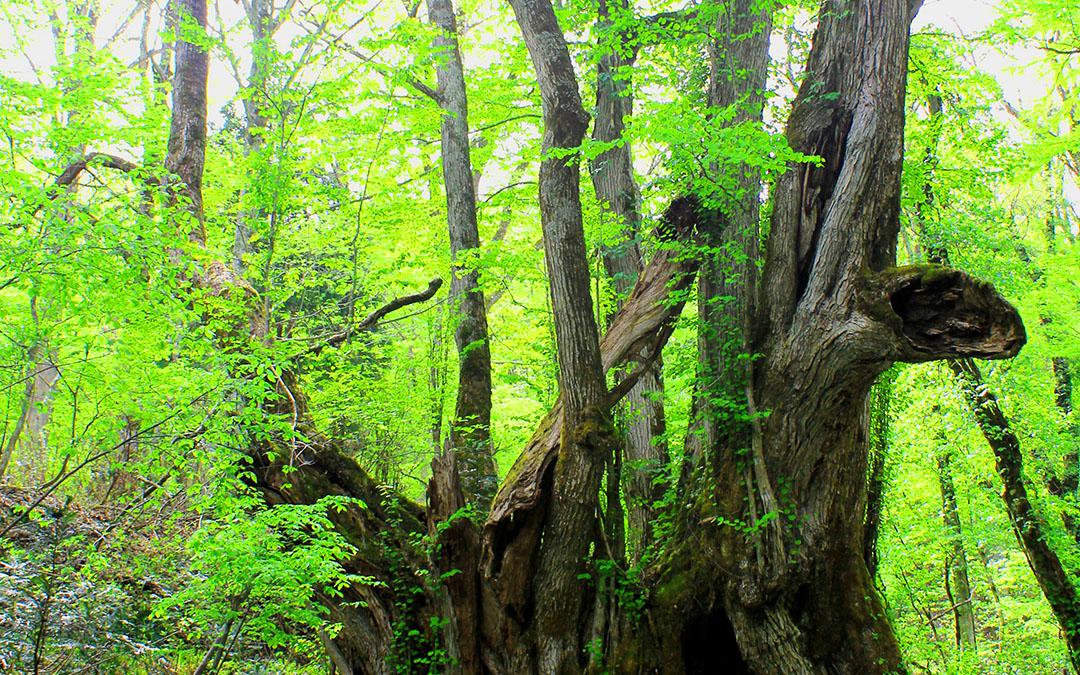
pixel 28 438
pixel 720 439
pixel 560 593
pixel 832 314
pixel 613 180
pixel 470 432
pixel 1054 579
pixel 956 567
pixel 186 152
pixel 255 122
pixel 878 429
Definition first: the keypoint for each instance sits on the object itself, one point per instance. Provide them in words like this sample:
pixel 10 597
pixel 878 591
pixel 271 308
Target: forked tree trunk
pixel 832 313
pixel 560 594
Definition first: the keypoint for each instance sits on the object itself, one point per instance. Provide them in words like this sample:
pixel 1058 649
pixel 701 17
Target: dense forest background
pixel 175 353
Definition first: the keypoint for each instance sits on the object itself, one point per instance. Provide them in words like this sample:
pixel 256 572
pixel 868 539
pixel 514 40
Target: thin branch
pixel 59 480
pixel 371 320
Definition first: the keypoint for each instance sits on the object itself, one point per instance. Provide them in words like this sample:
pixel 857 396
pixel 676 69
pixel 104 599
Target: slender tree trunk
pixel 255 122
pixel 186 153
pixel 470 431
pixel 613 181
pixel 720 439
pixel 1054 579
pixel 878 428
pixel 957 565
pixel 560 593
pixel 28 438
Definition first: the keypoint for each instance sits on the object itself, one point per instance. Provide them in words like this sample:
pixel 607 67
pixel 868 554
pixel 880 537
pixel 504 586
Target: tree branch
pixel 371 320
pixel 75 169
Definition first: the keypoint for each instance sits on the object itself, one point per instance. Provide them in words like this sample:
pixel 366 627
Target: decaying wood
pixel 643 323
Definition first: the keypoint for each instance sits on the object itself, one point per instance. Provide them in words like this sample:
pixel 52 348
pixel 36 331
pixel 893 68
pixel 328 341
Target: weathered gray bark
pixel 832 313
pixel 470 431
pixel 956 568
pixel 186 154
pixel 642 412
pixel 513 530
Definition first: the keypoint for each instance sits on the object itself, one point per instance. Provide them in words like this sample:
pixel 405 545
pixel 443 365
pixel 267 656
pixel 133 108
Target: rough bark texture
pixel 956 569
pixel 568 530
pixel 832 314
pixel 612 171
pixel 1054 579
pixel 717 446
pixel 470 431
pixel 512 533
pixel 187 128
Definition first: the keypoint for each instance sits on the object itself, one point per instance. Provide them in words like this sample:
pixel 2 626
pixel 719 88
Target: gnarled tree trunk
pixel 787 593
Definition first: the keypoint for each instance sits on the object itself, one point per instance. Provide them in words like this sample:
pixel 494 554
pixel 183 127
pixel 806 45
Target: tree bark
pixel 186 152
pixel 613 181
pixel 790 592
pixel 255 122
pixel 470 432
pixel 560 593
pixel 1054 579
pixel 832 314
pixel 956 567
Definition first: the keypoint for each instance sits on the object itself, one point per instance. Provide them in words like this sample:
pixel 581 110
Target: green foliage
pixel 323 146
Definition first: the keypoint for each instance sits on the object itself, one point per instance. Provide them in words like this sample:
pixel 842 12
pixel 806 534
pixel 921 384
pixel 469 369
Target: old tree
pixel 760 561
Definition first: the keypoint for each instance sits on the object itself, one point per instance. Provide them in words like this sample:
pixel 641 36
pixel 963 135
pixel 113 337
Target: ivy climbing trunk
pixel 785 571
pixel 1055 579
